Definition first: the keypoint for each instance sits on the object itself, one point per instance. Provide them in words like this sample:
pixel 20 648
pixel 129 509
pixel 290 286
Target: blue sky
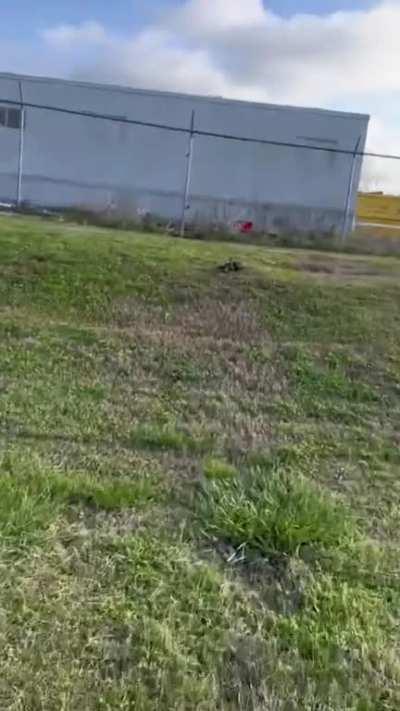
pixel 304 52
pixel 124 15
pixel 322 7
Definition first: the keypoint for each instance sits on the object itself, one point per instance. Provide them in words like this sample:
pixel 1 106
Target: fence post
pixel 21 147
pixel 350 189
pixel 189 159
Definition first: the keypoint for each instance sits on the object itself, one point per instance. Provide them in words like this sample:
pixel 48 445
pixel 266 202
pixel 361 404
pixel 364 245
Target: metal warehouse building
pixel 61 158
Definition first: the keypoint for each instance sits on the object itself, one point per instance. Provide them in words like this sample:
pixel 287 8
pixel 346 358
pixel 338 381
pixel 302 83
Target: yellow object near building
pixel 378 208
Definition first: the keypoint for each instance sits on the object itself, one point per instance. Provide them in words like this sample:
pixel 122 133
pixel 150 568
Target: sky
pixel 341 54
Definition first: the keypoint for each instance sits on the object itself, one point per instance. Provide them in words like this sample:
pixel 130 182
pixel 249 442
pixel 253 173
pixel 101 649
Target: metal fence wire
pixel 192 132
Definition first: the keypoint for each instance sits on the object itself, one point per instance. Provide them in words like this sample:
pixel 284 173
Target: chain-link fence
pixel 56 157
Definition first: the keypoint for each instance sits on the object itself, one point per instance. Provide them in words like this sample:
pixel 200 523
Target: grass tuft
pixel 272 511
pixel 219 469
pixel 169 438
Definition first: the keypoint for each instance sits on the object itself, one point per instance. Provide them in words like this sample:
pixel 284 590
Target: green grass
pixel 199 491
pixel 270 511
pixel 31 498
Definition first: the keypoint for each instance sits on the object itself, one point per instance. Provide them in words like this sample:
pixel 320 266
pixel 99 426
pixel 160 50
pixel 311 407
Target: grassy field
pixel 199 491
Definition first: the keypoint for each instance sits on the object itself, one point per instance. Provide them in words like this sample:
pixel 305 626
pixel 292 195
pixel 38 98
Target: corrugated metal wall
pixel 76 160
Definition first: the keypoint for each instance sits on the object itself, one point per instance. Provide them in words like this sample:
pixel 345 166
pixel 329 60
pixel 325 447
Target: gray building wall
pixel 80 161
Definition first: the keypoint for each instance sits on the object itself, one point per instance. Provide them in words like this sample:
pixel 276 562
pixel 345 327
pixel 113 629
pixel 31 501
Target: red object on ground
pixel 246 228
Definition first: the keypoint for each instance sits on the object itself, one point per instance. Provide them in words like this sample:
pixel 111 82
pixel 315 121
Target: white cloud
pixel 237 48
pixel 379 174
pixel 306 58
pixel 152 60
pixel 303 58
pixel 69 36
pixel 212 16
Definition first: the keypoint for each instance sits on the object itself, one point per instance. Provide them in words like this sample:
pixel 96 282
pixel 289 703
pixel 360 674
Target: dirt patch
pixel 314 267
pixel 336 268
pixel 239 321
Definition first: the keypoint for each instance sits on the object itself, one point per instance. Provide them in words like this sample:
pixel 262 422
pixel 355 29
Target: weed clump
pixel 273 511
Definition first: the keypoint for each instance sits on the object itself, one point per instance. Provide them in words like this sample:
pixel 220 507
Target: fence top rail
pixel 199 132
